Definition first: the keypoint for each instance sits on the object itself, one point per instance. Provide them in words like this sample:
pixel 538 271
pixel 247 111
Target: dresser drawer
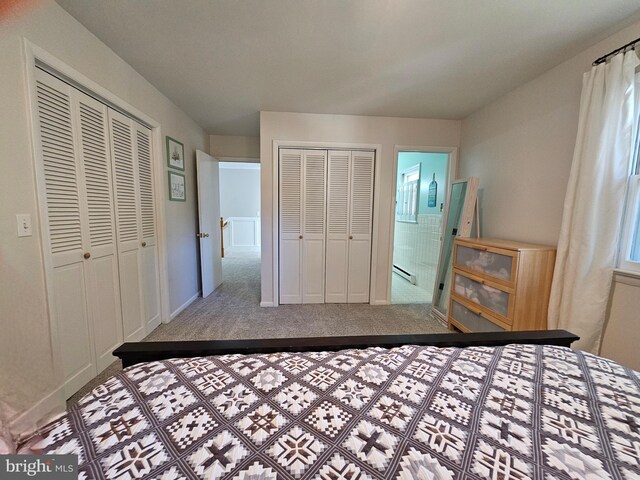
pixel 500 265
pixel 490 296
pixel 472 321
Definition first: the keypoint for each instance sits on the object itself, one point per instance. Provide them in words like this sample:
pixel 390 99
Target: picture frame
pixel 177 187
pixel 175 154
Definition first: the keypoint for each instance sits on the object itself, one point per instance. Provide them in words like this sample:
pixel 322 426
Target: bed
pixel 503 406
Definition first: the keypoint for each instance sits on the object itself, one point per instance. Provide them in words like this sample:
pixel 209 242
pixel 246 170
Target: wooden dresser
pixel 500 285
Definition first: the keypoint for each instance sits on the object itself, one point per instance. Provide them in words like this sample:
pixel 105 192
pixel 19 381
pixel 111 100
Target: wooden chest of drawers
pixel 500 285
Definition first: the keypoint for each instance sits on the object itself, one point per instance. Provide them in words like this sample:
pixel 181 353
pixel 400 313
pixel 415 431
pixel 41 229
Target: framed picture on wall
pixel 177 187
pixel 175 154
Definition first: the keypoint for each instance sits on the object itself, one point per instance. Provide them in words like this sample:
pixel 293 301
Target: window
pixel 630 244
pixel 408 193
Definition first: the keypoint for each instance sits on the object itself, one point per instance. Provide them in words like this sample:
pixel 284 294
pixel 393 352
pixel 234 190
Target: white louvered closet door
pixel 313 232
pixel 128 224
pixel 360 220
pixel 337 226
pixel 149 243
pixel 102 265
pixel 60 184
pixel 290 226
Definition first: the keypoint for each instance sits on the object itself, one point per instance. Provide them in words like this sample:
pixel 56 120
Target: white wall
pixel 521 147
pixel 239 190
pixel 26 371
pixel 386 131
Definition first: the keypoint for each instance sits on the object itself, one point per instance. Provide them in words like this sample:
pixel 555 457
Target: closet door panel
pixel 290 226
pixel 337 250
pixel 361 209
pixel 102 267
pixel 149 245
pixel 73 330
pixel 313 243
pixel 60 183
pixel 125 175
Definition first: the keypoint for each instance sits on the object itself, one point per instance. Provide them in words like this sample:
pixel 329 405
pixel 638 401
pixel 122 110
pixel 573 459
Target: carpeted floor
pixel 233 312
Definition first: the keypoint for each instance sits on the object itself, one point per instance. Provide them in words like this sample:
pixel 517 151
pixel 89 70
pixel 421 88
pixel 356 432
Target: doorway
pixel 422 179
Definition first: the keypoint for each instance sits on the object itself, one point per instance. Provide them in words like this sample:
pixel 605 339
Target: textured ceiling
pixel 222 61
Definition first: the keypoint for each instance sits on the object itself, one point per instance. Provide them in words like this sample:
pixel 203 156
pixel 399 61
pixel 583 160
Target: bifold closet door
pixel 314 165
pixel 339 163
pixel 350 208
pixel 102 265
pixel 75 183
pixel 290 225
pixel 149 244
pixel 128 226
pixel 360 226
pixel 302 194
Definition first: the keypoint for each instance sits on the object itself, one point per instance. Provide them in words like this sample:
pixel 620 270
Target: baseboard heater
pixel 409 277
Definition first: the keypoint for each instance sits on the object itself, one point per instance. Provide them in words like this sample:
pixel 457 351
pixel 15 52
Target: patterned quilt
pixel 512 412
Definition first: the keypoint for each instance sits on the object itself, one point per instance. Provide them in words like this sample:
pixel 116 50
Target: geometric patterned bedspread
pixel 513 412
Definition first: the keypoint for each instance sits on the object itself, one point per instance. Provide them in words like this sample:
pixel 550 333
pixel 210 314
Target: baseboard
pixel 179 310
pixel 50 405
pixel 380 302
pixel 267 304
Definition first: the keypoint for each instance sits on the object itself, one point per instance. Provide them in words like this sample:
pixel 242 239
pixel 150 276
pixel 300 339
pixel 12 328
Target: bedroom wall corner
pixel 28 380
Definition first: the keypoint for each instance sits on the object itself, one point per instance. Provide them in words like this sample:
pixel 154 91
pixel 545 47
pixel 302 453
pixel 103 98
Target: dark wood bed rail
pixel 139 352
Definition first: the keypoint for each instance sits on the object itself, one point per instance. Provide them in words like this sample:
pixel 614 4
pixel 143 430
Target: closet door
pixel 290 195
pixel 125 174
pixel 59 182
pixel 360 218
pixel 102 265
pixel 149 244
pixel 337 226
pixel 313 231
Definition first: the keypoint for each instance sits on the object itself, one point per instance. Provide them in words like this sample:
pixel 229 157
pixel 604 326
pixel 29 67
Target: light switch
pixel 24 225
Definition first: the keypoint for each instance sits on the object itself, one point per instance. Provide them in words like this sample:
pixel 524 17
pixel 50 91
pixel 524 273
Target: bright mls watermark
pixel 52 467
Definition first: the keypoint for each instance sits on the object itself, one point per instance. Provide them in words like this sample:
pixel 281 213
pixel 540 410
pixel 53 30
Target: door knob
pixel 202 235
pixel 350 237
pixel 206 235
pixel 300 237
pixel 87 256
pixel 144 244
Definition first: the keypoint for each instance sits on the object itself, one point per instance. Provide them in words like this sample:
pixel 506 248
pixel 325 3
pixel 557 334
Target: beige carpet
pixel 233 312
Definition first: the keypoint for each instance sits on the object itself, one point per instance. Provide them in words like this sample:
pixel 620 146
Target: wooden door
pixel 127 209
pixel 290 226
pixel 60 181
pixel 102 265
pixel 150 274
pixel 313 232
pixel 360 228
pixel 208 174
pixel 337 251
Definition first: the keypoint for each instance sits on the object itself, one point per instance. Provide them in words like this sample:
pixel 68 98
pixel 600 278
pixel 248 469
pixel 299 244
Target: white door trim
pixel 275 241
pixel 33 55
pixel 452 174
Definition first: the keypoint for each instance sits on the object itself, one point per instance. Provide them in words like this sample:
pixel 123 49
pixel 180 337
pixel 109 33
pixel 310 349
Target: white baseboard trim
pixel 179 310
pixel 380 302
pixel 50 405
pixel 267 304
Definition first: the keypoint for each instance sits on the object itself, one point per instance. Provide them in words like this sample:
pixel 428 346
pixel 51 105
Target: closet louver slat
pixel 95 154
pixel 290 192
pixel 60 169
pixel 314 193
pixel 125 181
pixel 361 193
pixel 145 179
pixel 338 203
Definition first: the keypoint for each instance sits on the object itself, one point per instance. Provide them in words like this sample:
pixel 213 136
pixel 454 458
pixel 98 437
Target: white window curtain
pixel 594 204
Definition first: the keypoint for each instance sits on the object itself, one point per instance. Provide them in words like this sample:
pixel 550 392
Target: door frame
pixel 275 239
pixel 452 174
pixel 35 56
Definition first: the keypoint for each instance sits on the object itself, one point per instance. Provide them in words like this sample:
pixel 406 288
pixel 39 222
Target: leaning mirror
pixel 458 220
